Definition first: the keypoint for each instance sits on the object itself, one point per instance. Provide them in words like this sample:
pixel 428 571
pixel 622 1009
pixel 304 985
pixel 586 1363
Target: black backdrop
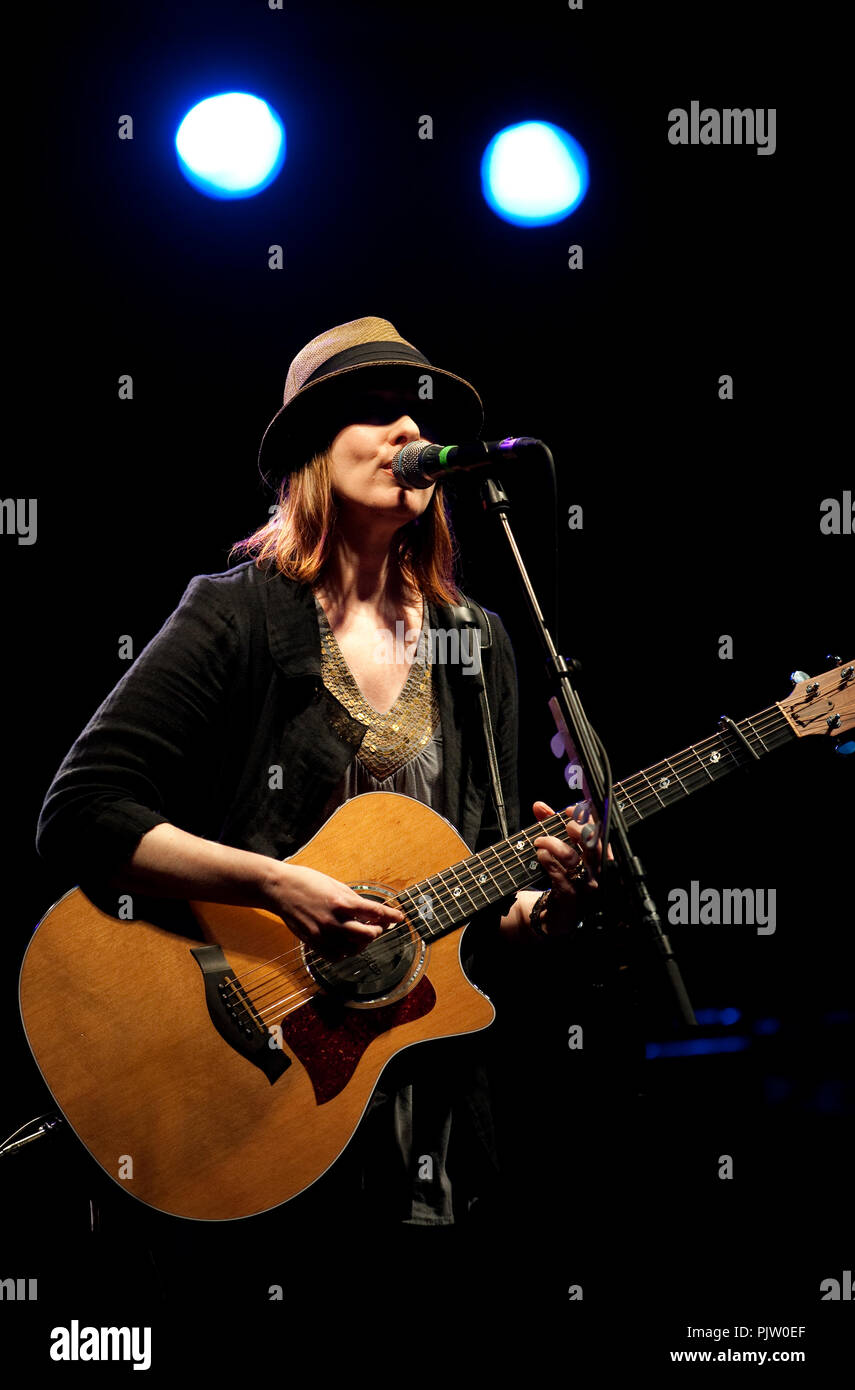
pixel 701 518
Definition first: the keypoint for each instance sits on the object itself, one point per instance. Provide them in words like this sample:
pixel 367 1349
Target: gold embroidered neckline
pixel 393 738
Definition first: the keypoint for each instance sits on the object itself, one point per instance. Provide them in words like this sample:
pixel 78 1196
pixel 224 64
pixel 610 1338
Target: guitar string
pixel 385 946
pixel 540 828
pixel 773 714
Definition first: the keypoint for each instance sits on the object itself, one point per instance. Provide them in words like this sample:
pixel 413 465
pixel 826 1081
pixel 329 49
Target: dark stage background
pixel 701 518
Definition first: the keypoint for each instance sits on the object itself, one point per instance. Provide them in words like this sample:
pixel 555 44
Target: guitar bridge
pixel 233 1015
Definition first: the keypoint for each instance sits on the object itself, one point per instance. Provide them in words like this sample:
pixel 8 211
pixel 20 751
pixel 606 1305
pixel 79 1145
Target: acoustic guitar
pixel 216 1081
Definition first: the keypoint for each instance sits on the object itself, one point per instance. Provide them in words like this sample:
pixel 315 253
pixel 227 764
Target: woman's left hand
pixel 568 899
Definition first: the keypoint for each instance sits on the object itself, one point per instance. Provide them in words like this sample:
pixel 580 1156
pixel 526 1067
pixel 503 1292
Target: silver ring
pixel 579 870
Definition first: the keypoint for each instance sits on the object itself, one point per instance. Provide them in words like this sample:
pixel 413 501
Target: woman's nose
pixel 405 428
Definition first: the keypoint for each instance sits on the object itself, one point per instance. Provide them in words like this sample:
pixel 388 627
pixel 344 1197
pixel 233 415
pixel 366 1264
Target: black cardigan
pixel 228 688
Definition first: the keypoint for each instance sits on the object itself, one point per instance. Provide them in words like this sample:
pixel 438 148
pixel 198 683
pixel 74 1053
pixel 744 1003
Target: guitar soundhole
pixel 385 969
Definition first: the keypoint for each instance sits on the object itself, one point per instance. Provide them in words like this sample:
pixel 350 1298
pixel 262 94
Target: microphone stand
pixel 495 500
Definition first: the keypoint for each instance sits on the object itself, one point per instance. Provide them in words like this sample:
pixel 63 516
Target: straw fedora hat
pixel 352 357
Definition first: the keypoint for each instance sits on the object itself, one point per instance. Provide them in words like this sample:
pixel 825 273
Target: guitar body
pixel 146 1065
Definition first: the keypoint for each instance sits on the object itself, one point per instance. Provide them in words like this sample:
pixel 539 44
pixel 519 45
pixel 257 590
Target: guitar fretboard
pixel 445 900
pixel 700 765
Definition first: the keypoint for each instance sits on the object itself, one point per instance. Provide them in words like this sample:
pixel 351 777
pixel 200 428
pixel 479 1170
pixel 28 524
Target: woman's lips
pixel 389 468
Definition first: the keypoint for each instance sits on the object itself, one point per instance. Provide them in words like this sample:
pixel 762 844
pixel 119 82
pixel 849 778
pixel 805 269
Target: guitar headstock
pixel 823 704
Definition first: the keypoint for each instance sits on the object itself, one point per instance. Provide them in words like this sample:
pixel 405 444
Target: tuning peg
pixel 844 748
pixel 796 676
pixel 834 660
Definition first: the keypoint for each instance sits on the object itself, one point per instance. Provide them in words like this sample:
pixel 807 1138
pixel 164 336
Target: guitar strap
pixel 470 614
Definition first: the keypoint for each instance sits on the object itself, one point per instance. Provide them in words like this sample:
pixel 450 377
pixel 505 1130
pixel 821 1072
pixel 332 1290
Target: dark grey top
pixel 416 1120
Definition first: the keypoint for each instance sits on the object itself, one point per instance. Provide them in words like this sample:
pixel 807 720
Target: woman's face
pixel 380 423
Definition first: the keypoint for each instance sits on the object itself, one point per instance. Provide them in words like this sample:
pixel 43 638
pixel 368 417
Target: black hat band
pixel 367 352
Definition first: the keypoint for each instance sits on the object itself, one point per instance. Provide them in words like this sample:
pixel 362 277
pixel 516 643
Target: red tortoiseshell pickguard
pixel 329 1039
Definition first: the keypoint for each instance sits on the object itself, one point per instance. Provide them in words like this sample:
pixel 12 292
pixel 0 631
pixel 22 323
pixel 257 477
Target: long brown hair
pixel 298 538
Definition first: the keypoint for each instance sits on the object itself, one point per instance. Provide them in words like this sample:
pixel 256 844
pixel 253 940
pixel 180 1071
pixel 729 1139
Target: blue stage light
pixel 724 1016
pixel 695 1047
pixel 231 146
pixel 534 173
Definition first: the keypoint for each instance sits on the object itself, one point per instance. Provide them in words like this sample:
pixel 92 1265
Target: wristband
pixel 538 908
pixel 538 911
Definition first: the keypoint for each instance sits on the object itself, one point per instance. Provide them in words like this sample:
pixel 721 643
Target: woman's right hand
pixel 325 913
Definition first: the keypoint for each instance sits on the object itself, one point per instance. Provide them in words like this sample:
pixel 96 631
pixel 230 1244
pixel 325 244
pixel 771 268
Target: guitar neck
pixel 701 764
pixel 445 900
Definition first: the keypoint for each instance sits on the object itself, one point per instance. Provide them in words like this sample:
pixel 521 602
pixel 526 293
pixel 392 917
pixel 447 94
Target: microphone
pixel 420 464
